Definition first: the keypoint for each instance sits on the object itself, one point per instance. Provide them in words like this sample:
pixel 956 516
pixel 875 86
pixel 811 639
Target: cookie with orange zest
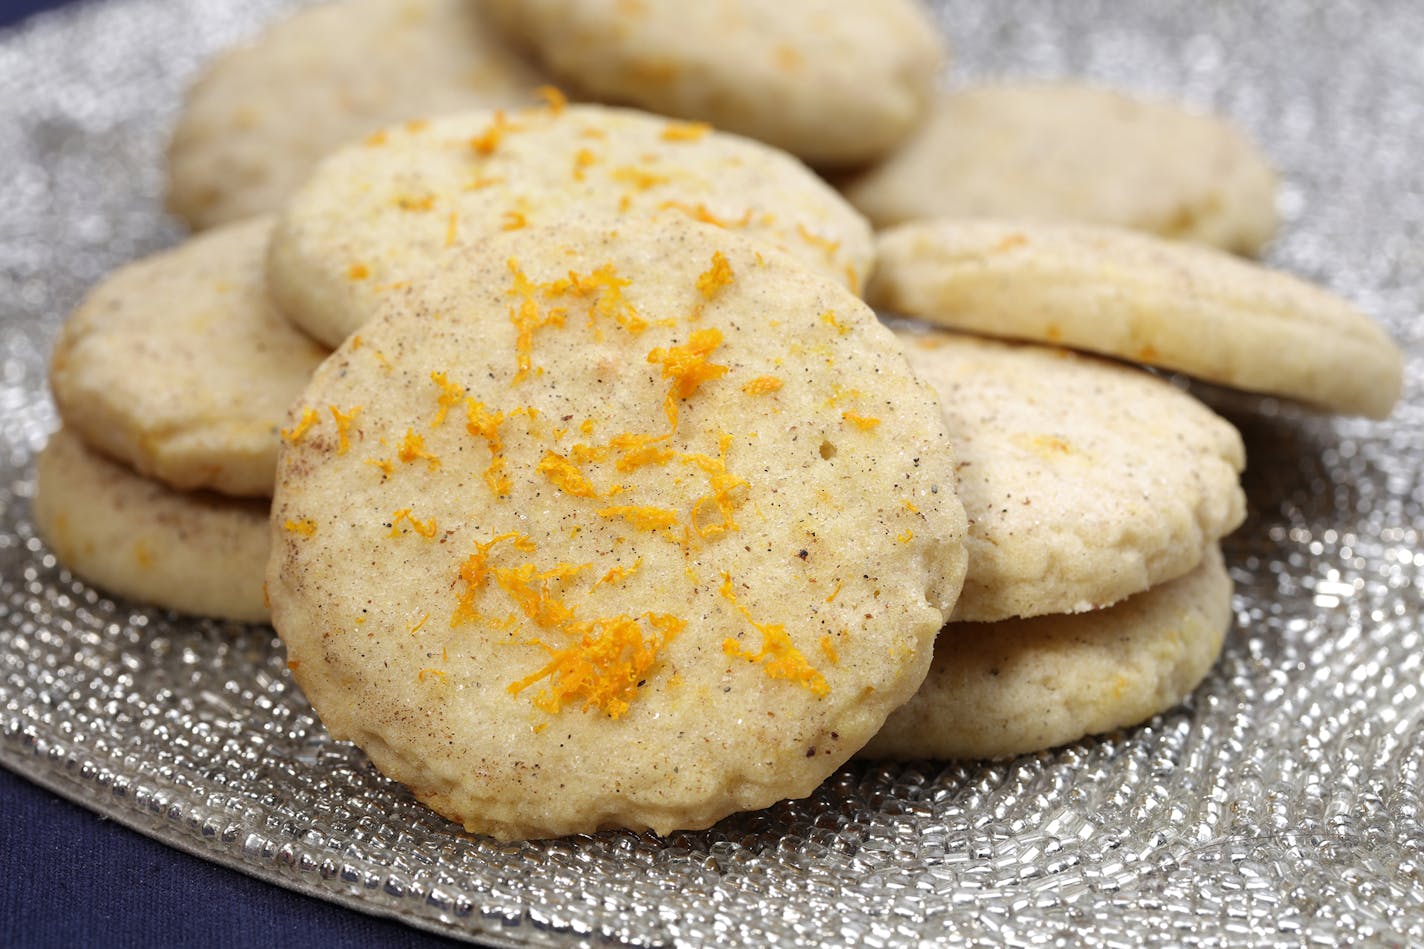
pixel 374 215
pixel 624 582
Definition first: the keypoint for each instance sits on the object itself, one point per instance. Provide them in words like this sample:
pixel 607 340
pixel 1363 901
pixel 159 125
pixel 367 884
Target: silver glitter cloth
pixel 1280 805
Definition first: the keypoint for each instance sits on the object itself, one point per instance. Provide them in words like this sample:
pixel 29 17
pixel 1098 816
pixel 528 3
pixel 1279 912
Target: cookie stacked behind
pixel 833 83
pixel 172 379
pixel 1096 596
pixel 1069 152
pixel 1140 298
pixel 262 115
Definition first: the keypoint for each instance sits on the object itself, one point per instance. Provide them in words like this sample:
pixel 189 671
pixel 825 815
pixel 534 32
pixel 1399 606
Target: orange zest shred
pixel 305 526
pixel 618 574
pixel 450 395
pixel 853 279
pixel 430 674
pixel 554 99
pixel 527 317
pixel 725 495
pixel 418 624
pixel 716 277
pixel 642 517
pixel 412 448
pixel 699 212
pixel 358 271
pixel 533 590
pixel 343 422
pixel 685 131
pixel 829 318
pixel 514 221
pixel 294 434
pixel 828 649
pixel 762 385
pixel 426 529
pixel 605 666
pixel 638 178
pixel 583 159
pixel 863 422
pixel 566 475
pixel 487 141
pixel 452 229
pixel 688 367
pixel 385 464
pixel 605 287
pixel 906 536
pixel 484 423
pixel 778 656
pixel 483 181
pixel 474 573
pixel 816 240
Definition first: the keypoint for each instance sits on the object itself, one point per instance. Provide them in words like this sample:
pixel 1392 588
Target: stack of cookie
pixel 615 504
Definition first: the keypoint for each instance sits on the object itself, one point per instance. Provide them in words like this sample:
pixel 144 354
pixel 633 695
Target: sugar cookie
pixel 836 82
pixel 179 366
pixel 1068 152
pixel 195 553
pixel 997 690
pixel 597 528
pixel 259 118
pixel 1177 306
pixel 376 214
pixel 1085 481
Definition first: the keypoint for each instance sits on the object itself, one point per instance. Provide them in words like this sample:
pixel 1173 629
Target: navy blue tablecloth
pixel 70 878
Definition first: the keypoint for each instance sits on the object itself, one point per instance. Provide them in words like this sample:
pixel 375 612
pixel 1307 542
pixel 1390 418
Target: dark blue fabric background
pixel 70 878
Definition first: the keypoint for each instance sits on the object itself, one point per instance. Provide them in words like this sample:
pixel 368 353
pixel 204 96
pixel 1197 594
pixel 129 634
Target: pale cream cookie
pixel 195 553
pixel 835 82
pixel 629 527
pixel 1070 152
pixel 375 215
pixel 997 690
pixel 261 115
pixel 1177 306
pixel 1085 481
pixel 180 366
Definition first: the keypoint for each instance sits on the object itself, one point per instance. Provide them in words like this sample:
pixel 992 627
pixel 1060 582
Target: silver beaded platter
pixel 1281 804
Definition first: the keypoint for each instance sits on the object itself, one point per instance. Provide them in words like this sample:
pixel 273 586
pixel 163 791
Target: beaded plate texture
pixel 1281 804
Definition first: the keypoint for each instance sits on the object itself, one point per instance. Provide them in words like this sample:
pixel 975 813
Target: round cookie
pixel 835 82
pixel 598 528
pixel 375 215
pixel 1085 481
pixel 1181 307
pixel 1068 152
pixel 179 366
pixel 195 553
pixel 996 690
pixel 261 116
